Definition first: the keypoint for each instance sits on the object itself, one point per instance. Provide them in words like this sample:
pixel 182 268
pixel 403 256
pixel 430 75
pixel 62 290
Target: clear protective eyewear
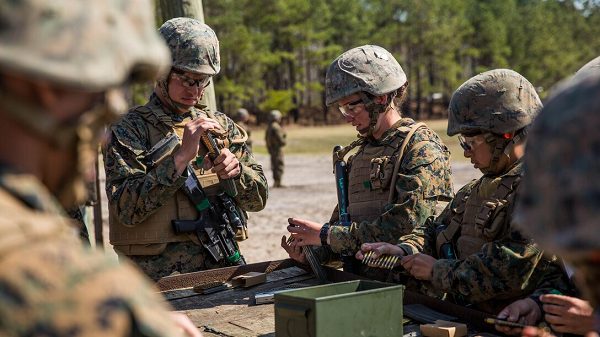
pixel 469 143
pixel 189 82
pixel 349 110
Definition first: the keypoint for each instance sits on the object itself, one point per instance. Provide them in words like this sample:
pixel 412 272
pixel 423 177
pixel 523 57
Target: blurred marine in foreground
pixel 61 63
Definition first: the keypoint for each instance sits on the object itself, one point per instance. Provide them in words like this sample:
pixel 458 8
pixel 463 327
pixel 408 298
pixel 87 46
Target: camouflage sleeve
pixel 281 136
pixel 554 281
pixel 56 288
pixel 133 188
pixel 251 183
pixel 424 178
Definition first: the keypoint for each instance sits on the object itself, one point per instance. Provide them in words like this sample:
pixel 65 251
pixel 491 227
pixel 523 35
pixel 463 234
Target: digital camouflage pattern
pixel 507 267
pixel 424 179
pixel 137 191
pixel 194 46
pixel 367 68
pixel 50 285
pixel 497 101
pixel 561 189
pixel 84 44
pixel 275 138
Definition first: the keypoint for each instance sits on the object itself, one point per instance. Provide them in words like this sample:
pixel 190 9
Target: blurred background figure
pixel 242 118
pixel 275 138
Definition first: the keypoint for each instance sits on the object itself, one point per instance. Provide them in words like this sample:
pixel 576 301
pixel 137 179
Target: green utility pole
pixel 168 9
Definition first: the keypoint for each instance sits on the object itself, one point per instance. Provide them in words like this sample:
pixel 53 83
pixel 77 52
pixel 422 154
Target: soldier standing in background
pixel 399 172
pixel 57 91
pixel 275 138
pixel 472 252
pixel 241 118
pixel 146 194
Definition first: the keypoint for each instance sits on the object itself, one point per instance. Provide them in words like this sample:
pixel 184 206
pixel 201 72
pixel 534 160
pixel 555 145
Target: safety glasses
pixel 469 143
pixel 189 82
pixel 350 109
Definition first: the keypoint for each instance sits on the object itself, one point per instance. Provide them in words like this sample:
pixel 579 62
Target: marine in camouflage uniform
pixel 491 263
pixel 144 198
pixel 561 187
pixel 275 138
pixel 564 314
pixel 403 154
pixel 241 119
pixel 49 284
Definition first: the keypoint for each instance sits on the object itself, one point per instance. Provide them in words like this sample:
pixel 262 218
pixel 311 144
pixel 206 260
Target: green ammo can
pixel 356 308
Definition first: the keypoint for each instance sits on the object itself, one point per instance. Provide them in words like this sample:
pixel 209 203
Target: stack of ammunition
pixel 383 261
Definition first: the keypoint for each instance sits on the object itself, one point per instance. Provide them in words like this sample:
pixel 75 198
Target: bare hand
pixel 294 251
pixel 226 165
pixel 190 143
pixel 305 232
pixel 185 324
pixel 568 314
pixel 378 249
pixel 420 266
pixel 524 311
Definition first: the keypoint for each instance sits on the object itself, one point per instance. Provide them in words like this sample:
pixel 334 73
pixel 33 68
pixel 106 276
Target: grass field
pixel 322 139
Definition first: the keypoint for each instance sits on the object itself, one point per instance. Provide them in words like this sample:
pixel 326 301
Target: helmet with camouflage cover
pixel 194 46
pixel 85 48
pixel 497 101
pixel 499 104
pixel 82 44
pixel 592 67
pixel 561 187
pixel 368 68
pixel 369 71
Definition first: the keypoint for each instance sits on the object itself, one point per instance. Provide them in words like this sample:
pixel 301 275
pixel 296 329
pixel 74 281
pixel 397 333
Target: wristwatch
pixel 324 233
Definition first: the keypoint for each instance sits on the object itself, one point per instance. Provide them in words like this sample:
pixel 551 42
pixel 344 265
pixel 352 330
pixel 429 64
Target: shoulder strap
pixel 505 187
pixel 412 131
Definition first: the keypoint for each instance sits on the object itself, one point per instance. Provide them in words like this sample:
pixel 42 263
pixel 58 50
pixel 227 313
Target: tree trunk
pixel 169 9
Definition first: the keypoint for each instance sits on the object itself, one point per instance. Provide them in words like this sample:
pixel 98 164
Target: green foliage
pixel 278 100
pixel 275 52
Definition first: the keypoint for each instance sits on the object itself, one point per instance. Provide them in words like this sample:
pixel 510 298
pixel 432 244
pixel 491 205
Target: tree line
pixel 274 53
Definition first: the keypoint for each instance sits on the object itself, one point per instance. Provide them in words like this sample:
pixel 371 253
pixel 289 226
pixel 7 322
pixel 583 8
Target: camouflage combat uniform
pixel 561 188
pixel 275 138
pixel 377 211
pixel 138 194
pixel 494 264
pixel 50 285
pixel 423 179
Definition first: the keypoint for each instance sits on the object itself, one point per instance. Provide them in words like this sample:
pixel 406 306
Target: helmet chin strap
pixel 375 109
pixel 502 147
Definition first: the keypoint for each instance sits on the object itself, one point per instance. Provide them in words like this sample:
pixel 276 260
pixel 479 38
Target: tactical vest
pixel 482 215
pixel 151 235
pixel 371 174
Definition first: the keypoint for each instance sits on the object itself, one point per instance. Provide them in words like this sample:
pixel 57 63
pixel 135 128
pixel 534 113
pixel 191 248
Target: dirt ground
pixel 309 193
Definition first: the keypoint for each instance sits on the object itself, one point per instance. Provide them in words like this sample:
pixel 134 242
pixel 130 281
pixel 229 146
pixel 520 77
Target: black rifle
pixel 215 221
pixel 351 265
